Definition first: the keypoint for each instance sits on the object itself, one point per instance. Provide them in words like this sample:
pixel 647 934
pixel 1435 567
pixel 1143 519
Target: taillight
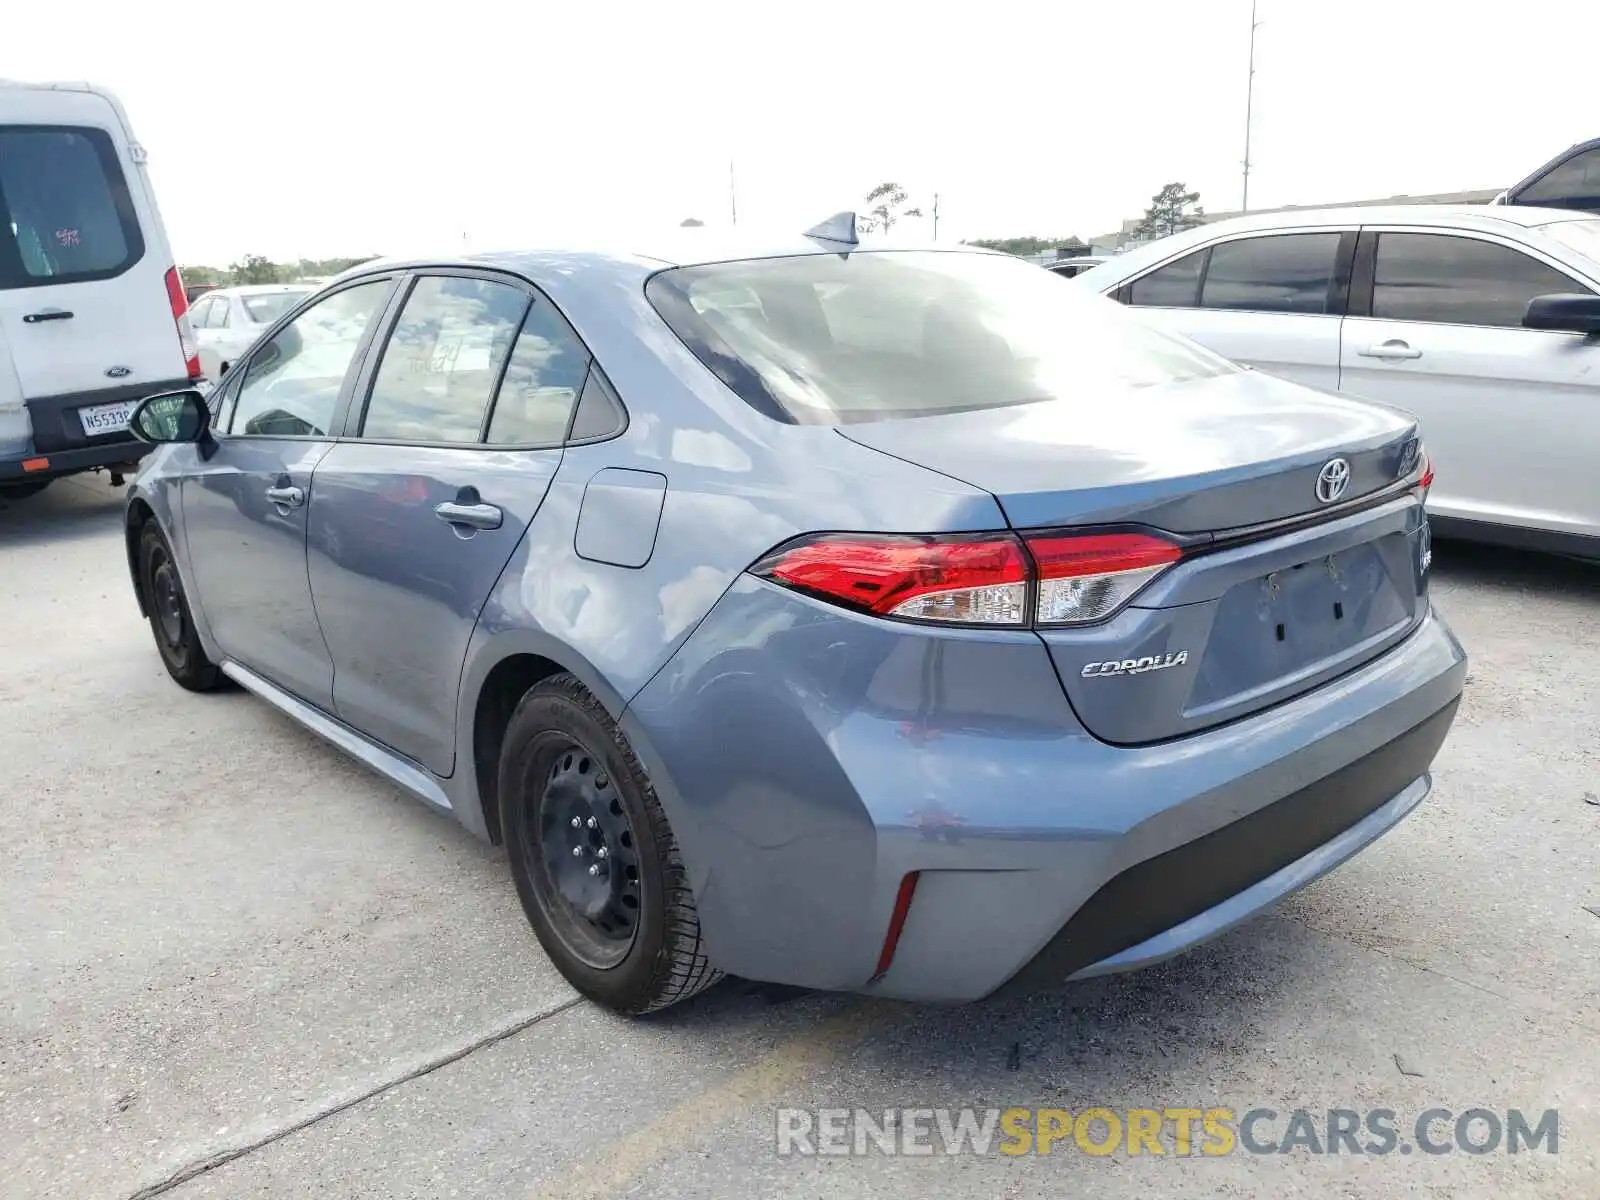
pixel 961 579
pixel 180 317
pixel 974 579
pixel 1088 577
pixel 1426 480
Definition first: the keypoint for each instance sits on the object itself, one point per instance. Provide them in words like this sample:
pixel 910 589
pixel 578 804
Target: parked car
pixel 1069 267
pixel 227 321
pixel 1569 180
pixel 895 620
pixel 1484 322
pixel 92 312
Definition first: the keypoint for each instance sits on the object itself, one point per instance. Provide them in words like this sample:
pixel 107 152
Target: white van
pixel 93 316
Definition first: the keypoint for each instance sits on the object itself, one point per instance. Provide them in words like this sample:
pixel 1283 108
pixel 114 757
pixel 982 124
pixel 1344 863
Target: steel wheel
pixel 167 598
pixel 585 867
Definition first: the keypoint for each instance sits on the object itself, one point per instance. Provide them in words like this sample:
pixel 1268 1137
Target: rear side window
pixel 1459 281
pixel 443 360
pixel 1285 273
pixel 65 212
pixel 878 335
pixel 1176 285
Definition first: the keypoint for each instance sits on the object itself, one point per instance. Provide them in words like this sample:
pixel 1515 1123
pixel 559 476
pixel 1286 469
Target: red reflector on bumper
pixel 897 922
pixel 36 464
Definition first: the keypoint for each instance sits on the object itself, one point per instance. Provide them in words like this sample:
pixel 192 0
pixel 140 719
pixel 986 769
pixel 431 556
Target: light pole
pixel 1249 96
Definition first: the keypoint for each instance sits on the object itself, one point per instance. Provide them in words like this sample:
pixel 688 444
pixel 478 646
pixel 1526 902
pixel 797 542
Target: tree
pixel 885 205
pixel 1028 245
pixel 200 275
pixel 691 223
pixel 254 269
pixel 1171 209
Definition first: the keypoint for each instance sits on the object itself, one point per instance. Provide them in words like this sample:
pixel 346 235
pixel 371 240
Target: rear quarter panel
pixel 737 484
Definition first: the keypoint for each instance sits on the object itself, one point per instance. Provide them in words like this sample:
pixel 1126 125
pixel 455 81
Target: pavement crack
pixel 336 1105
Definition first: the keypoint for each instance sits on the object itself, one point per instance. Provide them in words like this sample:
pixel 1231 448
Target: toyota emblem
pixel 1333 479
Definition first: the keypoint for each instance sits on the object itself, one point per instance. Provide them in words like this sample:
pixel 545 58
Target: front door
pixel 245 506
pixel 415 514
pixel 1510 416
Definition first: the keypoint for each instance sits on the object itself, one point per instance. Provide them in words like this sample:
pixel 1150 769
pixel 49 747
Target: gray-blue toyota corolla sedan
pixel 884 619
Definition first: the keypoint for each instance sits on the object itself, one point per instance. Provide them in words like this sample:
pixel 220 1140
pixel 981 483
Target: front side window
pixel 1459 281
pixel 877 335
pixel 442 362
pixel 1176 285
pixel 200 313
pixel 292 383
pixel 542 382
pixel 1283 273
pixel 65 212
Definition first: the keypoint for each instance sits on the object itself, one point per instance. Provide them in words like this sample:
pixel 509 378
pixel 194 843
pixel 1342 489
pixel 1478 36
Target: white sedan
pixel 227 321
pixel 1484 322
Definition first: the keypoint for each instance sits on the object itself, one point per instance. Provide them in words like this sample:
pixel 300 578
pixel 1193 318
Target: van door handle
pixel 47 314
pixel 289 497
pixel 473 516
pixel 1393 348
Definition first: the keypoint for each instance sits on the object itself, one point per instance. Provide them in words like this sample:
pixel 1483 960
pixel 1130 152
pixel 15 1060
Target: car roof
pixel 646 256
pixel 263 289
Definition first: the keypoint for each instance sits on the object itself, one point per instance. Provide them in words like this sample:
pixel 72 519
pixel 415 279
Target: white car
pixel 1483 322
pixel 93 315
pixel 227 321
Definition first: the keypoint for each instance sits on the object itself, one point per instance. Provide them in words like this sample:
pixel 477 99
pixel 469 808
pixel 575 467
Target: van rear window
pixel 65 212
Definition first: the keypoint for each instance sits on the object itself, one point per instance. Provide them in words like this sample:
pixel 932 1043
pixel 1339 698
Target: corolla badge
pixel 119 372
pixel 1135 666
pixel 1333 479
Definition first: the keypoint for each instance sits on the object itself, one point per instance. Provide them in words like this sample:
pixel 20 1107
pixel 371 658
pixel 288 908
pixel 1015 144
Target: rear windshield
pixel 876 335
pixel 65 212
pixel 268 308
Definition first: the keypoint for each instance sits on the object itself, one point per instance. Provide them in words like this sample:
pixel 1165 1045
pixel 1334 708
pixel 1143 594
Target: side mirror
pixel 171 417
pixel 1564 314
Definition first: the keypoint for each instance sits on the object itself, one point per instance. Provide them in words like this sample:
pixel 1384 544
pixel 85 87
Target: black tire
pixel 21 491
pixel 170 621
pixel 564 757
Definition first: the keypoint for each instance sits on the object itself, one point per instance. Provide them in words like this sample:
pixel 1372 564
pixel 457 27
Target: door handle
pixel 289 497
pixel 47 314
pixel 473 516
pixel 1393 348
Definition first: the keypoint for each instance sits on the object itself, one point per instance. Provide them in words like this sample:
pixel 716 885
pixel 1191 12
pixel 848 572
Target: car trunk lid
pixel 1285 581
pixel 1195 457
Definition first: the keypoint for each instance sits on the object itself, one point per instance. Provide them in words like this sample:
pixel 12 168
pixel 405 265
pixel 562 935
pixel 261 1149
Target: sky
pixel 296 129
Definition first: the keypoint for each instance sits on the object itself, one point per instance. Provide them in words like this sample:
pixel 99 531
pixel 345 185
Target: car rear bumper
pixel 810 760
pixel 106 453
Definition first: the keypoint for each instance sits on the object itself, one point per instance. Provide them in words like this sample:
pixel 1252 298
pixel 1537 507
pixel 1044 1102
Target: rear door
pixel 1511 416
pixel 1272 301
pixel 415 512
pixel 83 291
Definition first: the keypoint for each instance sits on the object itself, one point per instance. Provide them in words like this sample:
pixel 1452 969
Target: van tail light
pixel 180 317
pixel 986 579
pixel 1084 578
